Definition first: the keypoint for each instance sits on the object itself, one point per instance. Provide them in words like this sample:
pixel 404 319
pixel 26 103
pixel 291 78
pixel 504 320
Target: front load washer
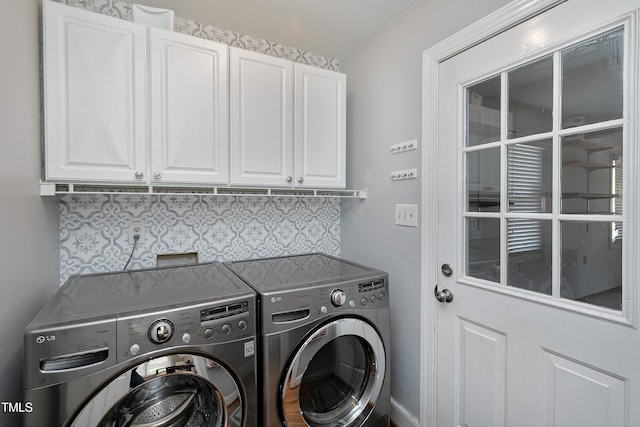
pixel 324 340
pixel 158 347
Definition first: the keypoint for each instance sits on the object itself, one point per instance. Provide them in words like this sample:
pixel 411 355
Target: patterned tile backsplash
pixel 122 10
pixel 94 229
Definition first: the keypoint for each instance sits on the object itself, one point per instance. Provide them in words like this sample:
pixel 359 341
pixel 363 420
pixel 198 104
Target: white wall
pixel 384 108
pixel 29 232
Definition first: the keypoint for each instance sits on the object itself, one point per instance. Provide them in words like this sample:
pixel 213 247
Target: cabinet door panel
pixel 189 109
pixel 261 118
pixel 94 70
pixel 320 127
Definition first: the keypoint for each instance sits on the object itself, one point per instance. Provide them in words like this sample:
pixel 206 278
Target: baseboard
pixel 400 417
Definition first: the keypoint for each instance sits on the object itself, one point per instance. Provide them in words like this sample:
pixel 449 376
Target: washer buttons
pixel 226 329
pixel 352 304
pixel 134 349
pixel 242 324
pixel 186 338
pixel 323 310
pixel 208 333
pixel 363 301
pixel 373 298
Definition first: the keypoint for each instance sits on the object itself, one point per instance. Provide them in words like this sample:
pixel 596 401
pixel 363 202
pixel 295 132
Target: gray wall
pixel 384 108
pixel 28 224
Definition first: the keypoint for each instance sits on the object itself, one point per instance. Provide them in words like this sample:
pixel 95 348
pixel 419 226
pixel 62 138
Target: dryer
pixel 324 340
pixel 164 346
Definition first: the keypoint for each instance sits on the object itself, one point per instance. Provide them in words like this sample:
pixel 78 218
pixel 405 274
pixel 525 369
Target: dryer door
pixel 169 390
pixel 335 376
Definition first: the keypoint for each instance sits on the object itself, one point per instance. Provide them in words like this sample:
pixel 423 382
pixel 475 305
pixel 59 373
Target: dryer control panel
pixel 288 309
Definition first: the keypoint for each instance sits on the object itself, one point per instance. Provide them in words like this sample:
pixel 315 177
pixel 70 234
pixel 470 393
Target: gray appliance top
pixel 298 271
pixel 115 294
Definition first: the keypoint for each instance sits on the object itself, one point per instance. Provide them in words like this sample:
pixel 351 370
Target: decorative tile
pixel 122 10
pixel 94 229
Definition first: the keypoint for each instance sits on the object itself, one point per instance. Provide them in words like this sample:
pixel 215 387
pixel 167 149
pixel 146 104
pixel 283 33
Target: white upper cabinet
pixel 320 115
pixel 189 109
pixel 127 104
pixel 261 119
pixel 94 86
pixel 287 123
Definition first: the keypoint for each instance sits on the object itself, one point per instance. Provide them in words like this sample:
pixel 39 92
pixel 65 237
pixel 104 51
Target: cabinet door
pixel 261 119
pixel 320 127
pixel 94 96
pixel 189 109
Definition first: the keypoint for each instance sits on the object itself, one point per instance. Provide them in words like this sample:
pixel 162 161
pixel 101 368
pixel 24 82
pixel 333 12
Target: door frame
pixel 510 15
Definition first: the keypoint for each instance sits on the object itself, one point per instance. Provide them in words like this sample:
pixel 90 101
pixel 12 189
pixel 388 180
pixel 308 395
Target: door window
pixel 544 181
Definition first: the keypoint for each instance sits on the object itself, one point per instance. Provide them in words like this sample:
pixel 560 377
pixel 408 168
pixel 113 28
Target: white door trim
pixel 501 20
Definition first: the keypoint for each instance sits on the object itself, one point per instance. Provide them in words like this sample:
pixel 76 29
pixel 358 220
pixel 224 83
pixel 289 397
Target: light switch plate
pixel 407 215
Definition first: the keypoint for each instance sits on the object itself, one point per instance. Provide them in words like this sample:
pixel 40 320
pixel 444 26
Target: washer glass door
pixel 335 377
pixel 169 390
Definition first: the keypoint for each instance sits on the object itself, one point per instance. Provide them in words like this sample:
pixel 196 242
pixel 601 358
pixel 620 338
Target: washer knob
pixel 226 329
pixel 160 331
pixel 338 297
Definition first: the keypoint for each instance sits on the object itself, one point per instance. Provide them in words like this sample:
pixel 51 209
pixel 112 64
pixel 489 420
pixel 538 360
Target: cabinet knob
pixel 289 178
pixel 139 175
pixel 157 175
pixel 300 180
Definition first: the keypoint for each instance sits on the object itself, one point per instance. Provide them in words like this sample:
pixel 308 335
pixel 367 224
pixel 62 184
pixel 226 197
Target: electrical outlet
pixel 136 227
pixel 407 215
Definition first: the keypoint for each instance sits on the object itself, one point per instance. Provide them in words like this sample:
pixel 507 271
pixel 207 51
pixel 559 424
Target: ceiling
pixel 333 28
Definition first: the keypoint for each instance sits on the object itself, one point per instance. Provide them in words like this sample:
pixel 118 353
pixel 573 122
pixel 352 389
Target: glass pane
pixel 531 98
pixel 530 176
pixel 592 80
pixel 483 112
pixel 529 255
pixel 592 263
pixel 483 180
pixel 483 243
pixel 592 172
pixel 335 378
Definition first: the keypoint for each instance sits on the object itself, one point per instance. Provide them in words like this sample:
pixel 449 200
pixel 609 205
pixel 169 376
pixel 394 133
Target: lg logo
pixel 276 299
pixel 42 338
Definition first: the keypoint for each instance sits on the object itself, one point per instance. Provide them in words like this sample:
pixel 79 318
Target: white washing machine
pixel 324 341
pixel 159 347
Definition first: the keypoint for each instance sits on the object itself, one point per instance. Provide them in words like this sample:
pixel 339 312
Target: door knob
pixel 444 295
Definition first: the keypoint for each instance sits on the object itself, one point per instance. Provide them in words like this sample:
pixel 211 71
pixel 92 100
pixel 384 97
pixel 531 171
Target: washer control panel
pixel 225 320
pixel 200 324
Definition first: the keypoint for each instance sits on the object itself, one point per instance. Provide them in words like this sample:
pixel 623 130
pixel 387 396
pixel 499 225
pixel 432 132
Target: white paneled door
pixel 537 224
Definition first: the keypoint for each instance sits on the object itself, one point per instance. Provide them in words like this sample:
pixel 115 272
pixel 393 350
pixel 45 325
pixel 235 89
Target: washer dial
pixel 338 297
pixel 160 331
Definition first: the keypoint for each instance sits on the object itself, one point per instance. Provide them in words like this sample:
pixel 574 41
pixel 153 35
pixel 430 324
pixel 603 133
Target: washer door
pixel 170 390
pixel 335 377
